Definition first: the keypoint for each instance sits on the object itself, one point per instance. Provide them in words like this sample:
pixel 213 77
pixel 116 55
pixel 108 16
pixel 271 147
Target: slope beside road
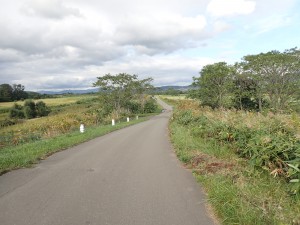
pixel 128 177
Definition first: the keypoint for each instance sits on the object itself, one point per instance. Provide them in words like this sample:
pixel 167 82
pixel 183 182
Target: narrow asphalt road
pixel 128 177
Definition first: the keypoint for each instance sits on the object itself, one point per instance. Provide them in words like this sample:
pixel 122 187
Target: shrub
pixel 29 109
pixel 41 109
pixel 133 107
pixel 150 106
pixel 16 112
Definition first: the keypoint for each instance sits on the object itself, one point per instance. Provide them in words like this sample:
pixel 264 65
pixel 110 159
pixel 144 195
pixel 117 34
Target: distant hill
pixel 94 90
pixel 178 88
pixel 86 91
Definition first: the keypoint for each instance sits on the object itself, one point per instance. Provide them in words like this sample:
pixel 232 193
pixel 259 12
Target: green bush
pixel 16 112
pixel 41 109
pixel 29 109
pixel 150 106
pixel 133 107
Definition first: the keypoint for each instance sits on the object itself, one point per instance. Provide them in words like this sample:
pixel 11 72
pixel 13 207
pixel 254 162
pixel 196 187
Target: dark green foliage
pixel 16 112
pixel 150 106
pixel 18 92
pixel 29 109
pixel 41 109
pixel 6 93
pixel 12 93
pixel 134 107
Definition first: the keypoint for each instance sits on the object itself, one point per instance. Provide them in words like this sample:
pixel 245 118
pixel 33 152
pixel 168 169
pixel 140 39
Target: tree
pixel 6 93
pixel 213 84
pixel 276 74
pixel 18 92
pixel 243 90
pixel 117 90
pixel 141 88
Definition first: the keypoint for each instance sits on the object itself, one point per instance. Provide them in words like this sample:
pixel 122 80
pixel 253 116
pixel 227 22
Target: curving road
pixel 128 177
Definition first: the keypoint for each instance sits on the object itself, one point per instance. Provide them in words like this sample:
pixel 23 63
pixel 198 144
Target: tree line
pixel 16 92
pixel 13 92
pixel 264 81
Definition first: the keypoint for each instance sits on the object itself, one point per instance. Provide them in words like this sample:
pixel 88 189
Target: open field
pixel 173 97
pixel 51 101
pixel 245 161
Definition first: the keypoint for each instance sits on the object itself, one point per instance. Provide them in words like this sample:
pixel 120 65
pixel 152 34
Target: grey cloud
pixel 154 36
pixel 53 9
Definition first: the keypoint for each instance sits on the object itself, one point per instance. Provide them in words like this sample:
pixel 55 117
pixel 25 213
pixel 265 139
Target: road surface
pixel 128 177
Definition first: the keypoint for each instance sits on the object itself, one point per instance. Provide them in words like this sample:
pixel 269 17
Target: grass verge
pixel 238 193
pixel 26 155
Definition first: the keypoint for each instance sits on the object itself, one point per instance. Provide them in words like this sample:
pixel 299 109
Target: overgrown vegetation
pixel 267 81
pixel 247 161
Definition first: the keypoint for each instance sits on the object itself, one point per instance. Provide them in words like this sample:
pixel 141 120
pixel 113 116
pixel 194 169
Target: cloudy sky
pixel 66 44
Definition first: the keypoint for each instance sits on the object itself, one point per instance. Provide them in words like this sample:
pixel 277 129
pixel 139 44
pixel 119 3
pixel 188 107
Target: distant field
pixel 50 101
pixel 173 97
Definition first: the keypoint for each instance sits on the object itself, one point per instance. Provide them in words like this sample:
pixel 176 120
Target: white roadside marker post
pixel 81 128
pixel 137 117
pixel 113 122
pixel 127 119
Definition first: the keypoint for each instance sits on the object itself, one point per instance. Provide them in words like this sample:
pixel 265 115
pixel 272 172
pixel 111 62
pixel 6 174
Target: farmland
pixel 248 162
pixel 66 114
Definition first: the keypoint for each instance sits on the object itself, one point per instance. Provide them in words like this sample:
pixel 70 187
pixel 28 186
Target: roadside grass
pixel 27 154
pixel 238 193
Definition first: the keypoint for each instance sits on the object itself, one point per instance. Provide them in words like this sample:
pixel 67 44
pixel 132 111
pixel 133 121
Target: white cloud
pixel 221 8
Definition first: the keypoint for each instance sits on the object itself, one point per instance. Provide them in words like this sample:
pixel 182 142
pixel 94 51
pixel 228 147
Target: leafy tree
pixel 117 90
pixel 18 92
pixel 243 90
pixel 213 84
pixel 276 74
pixel 140 90
pixel 6 93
